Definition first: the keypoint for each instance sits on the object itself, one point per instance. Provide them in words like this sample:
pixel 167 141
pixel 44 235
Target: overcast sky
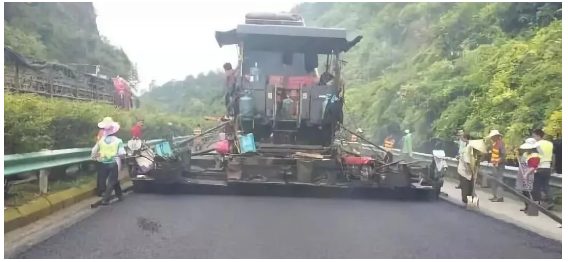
pixel 172 40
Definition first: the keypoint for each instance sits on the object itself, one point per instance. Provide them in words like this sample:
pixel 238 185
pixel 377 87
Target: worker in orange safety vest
pixel 389 143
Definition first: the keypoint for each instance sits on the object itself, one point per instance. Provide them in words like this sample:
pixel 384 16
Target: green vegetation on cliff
pixel 439 67
pixel 62 32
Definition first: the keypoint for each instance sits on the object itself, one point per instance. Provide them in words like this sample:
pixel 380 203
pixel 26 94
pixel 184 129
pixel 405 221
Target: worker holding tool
pixel 468 167
pixel 464 139
pixel 528 164
pixel 498 158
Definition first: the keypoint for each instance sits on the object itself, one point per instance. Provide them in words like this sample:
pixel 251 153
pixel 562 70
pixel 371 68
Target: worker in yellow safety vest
pixel 544 171
pixel 389 143
pixel 197 138
pixel 107 151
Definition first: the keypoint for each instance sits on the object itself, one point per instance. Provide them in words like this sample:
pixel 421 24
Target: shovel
pixel 473 200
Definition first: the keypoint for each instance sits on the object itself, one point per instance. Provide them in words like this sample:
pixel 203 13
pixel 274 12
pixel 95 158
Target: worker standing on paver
pixel 389 143
pixel 468 166
pixel 407 146
pixel 544 171
pixel 108 151
pixel 498 157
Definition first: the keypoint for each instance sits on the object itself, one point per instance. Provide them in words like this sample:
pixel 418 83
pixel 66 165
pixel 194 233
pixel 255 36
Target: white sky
pixel 172 40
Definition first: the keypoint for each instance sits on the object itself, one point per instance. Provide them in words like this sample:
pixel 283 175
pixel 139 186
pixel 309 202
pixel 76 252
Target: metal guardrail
pixel 510 171
pixel 45 161
pixel 29 162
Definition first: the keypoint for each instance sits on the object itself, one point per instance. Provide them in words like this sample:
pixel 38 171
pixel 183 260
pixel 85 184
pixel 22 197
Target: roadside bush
pixel 32 123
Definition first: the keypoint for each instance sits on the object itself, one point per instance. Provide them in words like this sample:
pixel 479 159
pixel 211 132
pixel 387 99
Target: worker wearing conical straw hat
pixel 468 165
pixel 498 158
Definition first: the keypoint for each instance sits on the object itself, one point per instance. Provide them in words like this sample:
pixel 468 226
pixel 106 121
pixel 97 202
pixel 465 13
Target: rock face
pixel 66 31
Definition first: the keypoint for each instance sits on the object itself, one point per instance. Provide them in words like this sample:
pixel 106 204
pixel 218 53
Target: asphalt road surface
pixel 196 226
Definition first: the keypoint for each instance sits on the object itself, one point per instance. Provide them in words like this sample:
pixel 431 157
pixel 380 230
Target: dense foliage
pixel 32 123
pixel 63 32
pixel 194 97
pixel 436 68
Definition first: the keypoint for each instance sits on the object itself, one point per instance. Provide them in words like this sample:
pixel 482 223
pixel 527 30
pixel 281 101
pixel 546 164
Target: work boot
pixel 496 199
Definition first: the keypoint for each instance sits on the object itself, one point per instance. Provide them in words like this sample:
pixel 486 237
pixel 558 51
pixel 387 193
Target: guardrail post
pixel 43 181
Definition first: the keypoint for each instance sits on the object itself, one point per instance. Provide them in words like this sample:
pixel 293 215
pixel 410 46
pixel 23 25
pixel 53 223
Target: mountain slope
pixel 63 32
pixel 439 67
pixel 193 97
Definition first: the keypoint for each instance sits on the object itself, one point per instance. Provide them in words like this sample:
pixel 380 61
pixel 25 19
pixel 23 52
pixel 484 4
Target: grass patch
pixel 23 193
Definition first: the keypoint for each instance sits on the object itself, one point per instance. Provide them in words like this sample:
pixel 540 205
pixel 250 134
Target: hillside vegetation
pixel 33 123
pixel 436 68
pixel 62 32
pixel 194 97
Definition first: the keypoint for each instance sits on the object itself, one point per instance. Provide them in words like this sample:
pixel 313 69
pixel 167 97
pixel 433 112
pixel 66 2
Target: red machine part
pixel 355 160
pixel 294 82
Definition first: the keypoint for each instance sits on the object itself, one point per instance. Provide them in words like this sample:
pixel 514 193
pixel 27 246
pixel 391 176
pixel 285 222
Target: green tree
pixel 439 67
pixel 62 32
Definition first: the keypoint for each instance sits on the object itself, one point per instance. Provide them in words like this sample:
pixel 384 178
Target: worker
pixel 468 166
pixel 108 151
pixel 101 184
pixel 407 146
pixel 389 143
pixel 528 164
pixel 544 171
pixel 354 137
pixel 136 130
pixel 464 139
pixel 557 152
pixel 230 83
pixel 197 138
pixel 498 158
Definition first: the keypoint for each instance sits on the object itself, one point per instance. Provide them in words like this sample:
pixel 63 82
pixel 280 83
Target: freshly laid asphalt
pixel 205 226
